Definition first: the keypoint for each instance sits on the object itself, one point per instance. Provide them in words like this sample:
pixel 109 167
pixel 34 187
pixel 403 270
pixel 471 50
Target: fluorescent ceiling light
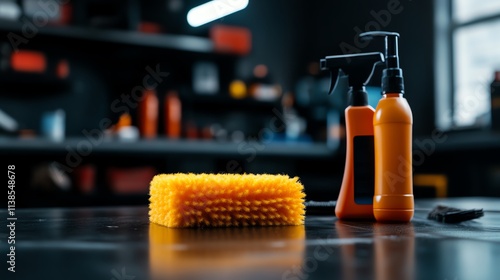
pixel 213 10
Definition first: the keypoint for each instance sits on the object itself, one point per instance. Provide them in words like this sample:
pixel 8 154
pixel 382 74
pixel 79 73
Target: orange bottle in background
pixel 393 200
pixel 356 193
pixel 173 115
pixel 148 114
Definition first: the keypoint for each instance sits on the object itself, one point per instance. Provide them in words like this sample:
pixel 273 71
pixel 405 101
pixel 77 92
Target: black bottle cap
pixel 392 77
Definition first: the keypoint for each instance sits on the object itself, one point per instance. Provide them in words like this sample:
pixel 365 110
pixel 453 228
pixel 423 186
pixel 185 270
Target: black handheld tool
pixel 446 214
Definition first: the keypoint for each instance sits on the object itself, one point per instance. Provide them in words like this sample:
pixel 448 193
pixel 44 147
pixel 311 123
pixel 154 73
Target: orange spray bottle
pixel 392 122
pixel 356 193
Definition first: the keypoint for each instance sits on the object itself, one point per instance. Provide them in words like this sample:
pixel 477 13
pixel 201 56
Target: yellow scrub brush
pixel 223 200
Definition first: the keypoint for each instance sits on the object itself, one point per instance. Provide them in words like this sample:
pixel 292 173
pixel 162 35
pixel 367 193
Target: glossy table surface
pixel 120 243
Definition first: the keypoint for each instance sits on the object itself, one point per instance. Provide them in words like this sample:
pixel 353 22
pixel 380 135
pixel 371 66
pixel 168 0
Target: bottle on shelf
pixel 148 114
pixel 173 115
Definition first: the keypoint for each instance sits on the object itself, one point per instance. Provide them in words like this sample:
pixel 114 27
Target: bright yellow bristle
pixel 223 200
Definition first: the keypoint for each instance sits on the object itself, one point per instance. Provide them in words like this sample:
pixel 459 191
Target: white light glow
pixel 214 10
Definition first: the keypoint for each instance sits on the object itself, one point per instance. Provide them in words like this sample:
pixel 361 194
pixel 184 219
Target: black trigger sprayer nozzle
pixel 357 67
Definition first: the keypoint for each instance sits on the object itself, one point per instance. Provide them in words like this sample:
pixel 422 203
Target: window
pixel 468 47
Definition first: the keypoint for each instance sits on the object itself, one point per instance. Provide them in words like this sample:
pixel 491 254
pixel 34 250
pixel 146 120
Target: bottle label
pixel 364 169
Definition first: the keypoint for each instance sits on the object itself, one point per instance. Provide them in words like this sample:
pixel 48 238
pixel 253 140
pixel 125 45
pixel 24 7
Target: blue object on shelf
pixel 53 125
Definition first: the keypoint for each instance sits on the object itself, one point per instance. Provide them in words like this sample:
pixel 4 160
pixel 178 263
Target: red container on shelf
pixel 150 27
pixel 148 114
pixel 130 180
pixel 173 115
pixel 231 39
pixel 28 61
pixel 84 177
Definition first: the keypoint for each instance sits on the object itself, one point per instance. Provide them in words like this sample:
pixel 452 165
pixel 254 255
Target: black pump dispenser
pixel 392 78
pixel 359 69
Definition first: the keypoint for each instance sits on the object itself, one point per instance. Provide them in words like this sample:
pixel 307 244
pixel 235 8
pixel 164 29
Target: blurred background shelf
pixel 185 43
pixel 226 100
pixel 166 147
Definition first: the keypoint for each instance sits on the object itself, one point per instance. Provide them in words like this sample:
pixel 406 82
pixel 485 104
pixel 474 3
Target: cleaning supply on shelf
pixel 392 122
pixel 28 61
pixel 124 130
pixel 58 13
pixel 130 180
pixel 150 27
pixel 261 86
pixel 356 193
pixel 231 39
pixel 295 126
pixel 84 177
pixel 148 114
pixel 7 123
pixel 191 130
pixel 222 200
pixel 238 89
pixel 62 69
pixel 53 125
pixel 173 115
pixel 205 78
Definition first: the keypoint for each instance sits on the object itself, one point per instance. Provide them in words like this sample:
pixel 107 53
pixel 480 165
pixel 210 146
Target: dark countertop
pixel 119 243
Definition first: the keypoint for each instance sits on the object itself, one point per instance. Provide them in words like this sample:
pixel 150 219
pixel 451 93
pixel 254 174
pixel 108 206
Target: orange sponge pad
pixel 223 200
